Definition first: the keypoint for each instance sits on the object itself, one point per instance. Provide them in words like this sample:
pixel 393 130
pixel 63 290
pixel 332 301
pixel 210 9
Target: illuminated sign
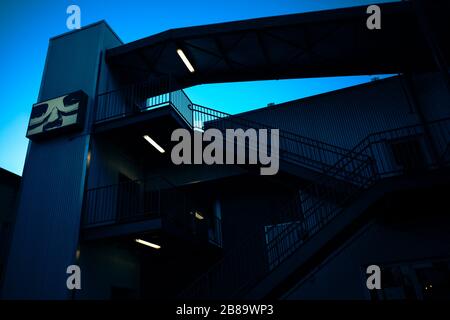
pixel 57 115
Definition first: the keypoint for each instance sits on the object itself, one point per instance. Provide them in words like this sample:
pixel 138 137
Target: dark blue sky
pixel 26 26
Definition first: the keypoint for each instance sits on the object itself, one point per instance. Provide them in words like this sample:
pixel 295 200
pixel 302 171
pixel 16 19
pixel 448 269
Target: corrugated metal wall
pixel 347 116
pixel 433 95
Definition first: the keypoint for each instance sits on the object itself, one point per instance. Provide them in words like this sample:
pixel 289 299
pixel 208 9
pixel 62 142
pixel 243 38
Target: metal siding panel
pixel 433 95
pixel 343 117
pixel 48 219
pixel 47 227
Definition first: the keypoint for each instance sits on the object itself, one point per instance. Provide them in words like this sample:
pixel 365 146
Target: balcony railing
pixel 140 98
pixel 125 202
pixel 154 198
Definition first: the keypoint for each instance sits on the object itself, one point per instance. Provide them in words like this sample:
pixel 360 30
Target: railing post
pixel 144 200
pixel 191 107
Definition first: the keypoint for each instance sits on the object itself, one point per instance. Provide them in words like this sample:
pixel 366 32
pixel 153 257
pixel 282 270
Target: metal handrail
pixel 138 98
pixel 131 201
pixel 121 202
pixel 236 254
pixel 320 201
pixel 294 148
pixel 220 115
pixel 141 97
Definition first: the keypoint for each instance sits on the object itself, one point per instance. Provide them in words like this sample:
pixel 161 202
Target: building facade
pixel 9 190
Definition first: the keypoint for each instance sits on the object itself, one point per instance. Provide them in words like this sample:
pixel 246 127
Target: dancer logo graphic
pixel 62 112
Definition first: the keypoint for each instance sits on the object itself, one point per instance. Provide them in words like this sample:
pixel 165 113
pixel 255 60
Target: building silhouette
pixel 9 189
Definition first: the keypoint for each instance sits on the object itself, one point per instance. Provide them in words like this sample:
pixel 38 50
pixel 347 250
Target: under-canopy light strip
pixel 153 143
pixel 186 61
pixel 148 244
pixel 198 215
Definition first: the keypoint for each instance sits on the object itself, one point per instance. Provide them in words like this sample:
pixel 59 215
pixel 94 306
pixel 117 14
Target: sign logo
pixel 66 112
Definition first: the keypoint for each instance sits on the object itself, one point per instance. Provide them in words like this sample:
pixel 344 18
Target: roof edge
pixel 317 96
pixel 92 25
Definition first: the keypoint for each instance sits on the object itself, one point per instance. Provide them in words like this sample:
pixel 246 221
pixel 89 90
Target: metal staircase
pixel 299 151
pixel 300 155
pixel 339 177
pixel 389 154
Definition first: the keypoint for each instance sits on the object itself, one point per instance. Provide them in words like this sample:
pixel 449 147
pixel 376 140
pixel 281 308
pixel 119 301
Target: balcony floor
pixel 124 229
pixel 163 117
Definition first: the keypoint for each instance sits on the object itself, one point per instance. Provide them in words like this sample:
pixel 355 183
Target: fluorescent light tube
pixel 148 244
pixel 187 63
pixel 198 216
pixel 153 143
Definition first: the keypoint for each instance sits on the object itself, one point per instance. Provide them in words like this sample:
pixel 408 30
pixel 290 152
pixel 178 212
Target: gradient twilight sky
pixel 26 26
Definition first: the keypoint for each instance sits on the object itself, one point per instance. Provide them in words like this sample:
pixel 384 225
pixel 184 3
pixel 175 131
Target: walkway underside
pixel 316 44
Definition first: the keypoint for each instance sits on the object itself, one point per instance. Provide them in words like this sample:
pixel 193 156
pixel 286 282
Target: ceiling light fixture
pixel 187 63
pixel 148 244
pixel 198 215
pixel 153 143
